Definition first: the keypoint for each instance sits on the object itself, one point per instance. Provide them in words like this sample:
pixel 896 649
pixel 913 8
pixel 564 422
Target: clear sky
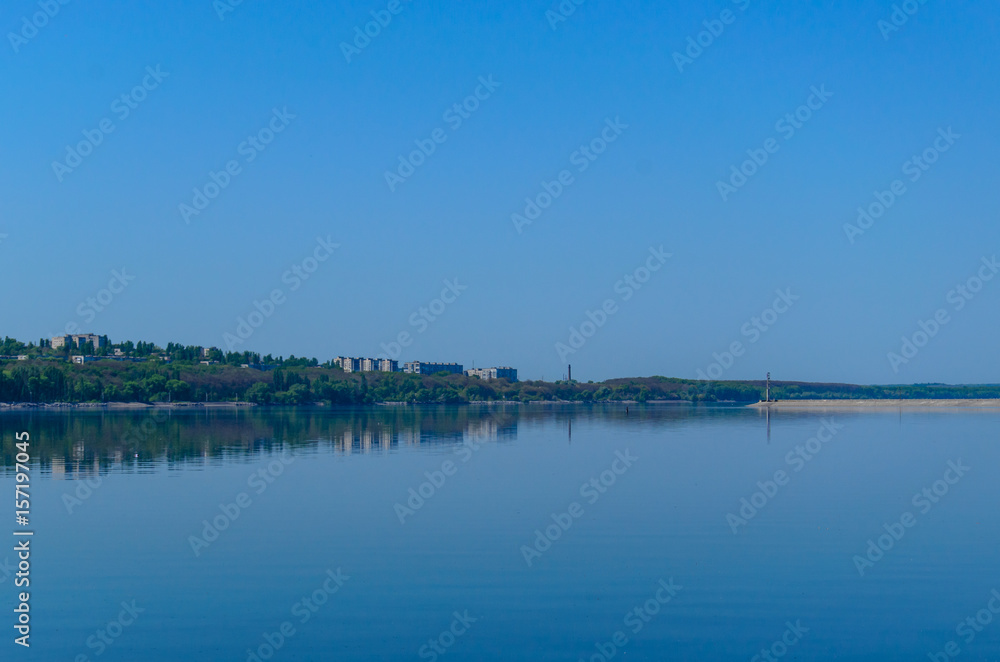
pixel 184 86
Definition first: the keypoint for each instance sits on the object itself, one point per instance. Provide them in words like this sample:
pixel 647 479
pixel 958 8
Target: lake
pixel 526 532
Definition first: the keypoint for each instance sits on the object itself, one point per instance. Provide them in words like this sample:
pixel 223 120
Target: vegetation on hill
pixel 177 373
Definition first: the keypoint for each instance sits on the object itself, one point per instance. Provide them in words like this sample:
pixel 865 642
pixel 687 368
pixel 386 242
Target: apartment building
pixel 425 368
pixel 507 373
pixel 79 340
pixel 366 365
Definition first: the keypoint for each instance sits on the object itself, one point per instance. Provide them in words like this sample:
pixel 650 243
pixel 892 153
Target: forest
pixel 149 374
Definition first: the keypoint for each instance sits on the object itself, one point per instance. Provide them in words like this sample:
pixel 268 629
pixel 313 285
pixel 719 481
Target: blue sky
pixel 551 90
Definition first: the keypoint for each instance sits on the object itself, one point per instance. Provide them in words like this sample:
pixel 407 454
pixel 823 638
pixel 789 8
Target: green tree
pixel 178 389
pixel 260 393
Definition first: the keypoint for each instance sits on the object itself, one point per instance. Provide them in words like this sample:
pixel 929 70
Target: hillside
pixel 49 380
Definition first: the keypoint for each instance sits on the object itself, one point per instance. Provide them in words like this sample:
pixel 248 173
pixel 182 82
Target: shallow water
pixel 510 553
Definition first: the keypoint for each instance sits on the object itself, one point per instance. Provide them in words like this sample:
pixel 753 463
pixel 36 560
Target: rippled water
pixel 294 535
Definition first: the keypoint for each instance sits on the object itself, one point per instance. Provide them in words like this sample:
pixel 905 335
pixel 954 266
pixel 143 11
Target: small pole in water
pixel 767 410
pixel 626 410
pixel 767 396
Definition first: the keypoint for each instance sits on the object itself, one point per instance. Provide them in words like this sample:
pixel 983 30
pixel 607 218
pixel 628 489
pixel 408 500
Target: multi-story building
pixel 79 340
pixel 507 373
pixel 425 368
pixel 348 364
pixel 366 365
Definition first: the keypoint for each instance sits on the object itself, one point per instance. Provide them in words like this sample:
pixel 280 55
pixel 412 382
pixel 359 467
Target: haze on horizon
pixel 634 135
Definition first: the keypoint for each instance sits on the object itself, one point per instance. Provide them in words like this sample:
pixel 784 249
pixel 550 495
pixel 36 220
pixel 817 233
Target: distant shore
pixel 879 404
pixel 122 405
pixel 845 403
pixel 143 406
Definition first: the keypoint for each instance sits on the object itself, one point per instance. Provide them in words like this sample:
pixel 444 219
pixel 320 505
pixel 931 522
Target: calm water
pixel 652 561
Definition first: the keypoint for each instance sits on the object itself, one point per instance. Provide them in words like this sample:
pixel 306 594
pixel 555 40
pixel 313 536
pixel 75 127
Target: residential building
pixel 348 364
pixel 79 340
pixel 507 373
pixel 366 365
pixel 425 368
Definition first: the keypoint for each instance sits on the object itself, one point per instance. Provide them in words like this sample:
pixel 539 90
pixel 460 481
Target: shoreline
pixel 144 406
pixel 122 406
pixel 978 403
pixel 913 403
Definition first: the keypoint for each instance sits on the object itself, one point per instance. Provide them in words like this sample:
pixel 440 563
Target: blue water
pixel 117 498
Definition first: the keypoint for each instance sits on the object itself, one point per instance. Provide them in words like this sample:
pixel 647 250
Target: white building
pixel 507 373
pixel 366 365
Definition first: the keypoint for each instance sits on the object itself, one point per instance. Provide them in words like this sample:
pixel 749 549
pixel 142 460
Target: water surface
pixel 121 504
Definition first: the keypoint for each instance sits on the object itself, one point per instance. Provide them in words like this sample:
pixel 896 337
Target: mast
pixel 768 389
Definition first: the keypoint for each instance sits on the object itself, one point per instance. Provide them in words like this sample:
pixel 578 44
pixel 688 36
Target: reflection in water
pixel 78 444
pixel 666 519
